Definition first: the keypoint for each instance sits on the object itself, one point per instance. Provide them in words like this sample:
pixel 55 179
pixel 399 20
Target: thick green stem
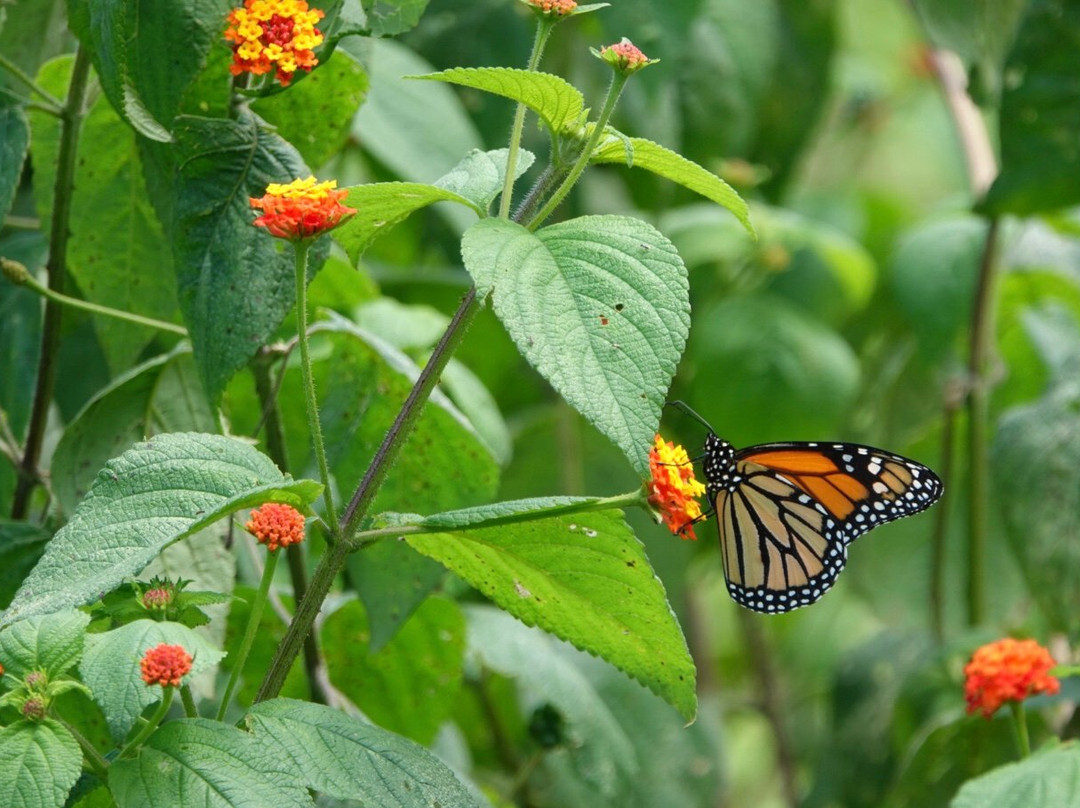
pixel 543 31
pixel 190 710
pixel 152 724
pixel 618 81
pixel 314 425
pixel 24 278
pixel 249 632
pixel 953 401
pixel 94 760
pixel 57 265
pixel 979 375
pixel 1023 743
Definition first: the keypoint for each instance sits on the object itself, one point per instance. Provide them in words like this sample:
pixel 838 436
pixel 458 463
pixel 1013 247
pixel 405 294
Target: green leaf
pixel 621 745
pixel 348 759
pixel 1048 779
pixel 599 305
pixel 791 370
pixel 52 642
pixel 416 129
pixel 14 144
pixel 410 685
pixel 381 205
pixel 933 272
pixel 479 176
pixel 160 395
pixel 21 545
pixel 39 763
pixel 212 765
pixel 236 283
pixel 637 152
pixel 1040 115
pixel 152 495
pixel 584 578
pixel 393 17
pixel 1036 465
pixel 115 234
pixel 315 114
pixel 555 100
pixel 979 33
pixel 110 667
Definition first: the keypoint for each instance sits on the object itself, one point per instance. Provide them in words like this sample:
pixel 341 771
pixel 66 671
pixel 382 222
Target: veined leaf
pixel 640 153
pixel 479 176
pixel 51 642
pixel 584 578
pixel 152 495
pixel 39 763
pixel 557 102
pixel 599 305
pixel 351 760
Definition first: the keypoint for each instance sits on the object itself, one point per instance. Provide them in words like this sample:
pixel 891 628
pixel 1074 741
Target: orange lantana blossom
pixel 302 209
pixel 165 665
pixel 672 487
pixel 1007 670
pixel 554 8
pixel 274 35
pixel 276 525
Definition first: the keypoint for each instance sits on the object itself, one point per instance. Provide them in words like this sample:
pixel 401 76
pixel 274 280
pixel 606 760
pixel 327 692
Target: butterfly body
pixel 786 512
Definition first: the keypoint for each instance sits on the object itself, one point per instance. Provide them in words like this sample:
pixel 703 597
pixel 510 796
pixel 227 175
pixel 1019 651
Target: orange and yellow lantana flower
pixel 277 35
pixel 1007 670
pixel 672 487
pixel 302 209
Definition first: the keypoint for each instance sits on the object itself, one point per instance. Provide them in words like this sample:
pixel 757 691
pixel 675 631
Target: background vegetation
pixel 913 171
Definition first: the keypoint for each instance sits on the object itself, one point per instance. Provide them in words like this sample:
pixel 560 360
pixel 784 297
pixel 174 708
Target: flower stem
pixel 190 710
pixel 314 424
pixel 71 117
pixel 152 724
pixel 543 31
pixel 24 278
pixel 98 765
pixel 249 632
pixel 618 81
pixel 1023 743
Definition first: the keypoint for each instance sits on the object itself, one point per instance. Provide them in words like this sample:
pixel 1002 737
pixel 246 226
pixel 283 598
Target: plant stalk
pixel 152 724
pixel 71 118
pixel 55 105
pixel 310 399
pixel 1023 742
pixel 249 632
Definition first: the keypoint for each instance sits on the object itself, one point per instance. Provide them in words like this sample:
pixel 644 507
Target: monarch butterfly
pixel 786 512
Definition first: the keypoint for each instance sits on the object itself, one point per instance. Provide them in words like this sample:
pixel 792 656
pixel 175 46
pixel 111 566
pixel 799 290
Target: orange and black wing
pixel 787 512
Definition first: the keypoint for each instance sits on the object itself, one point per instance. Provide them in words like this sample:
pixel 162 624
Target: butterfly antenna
pixel 688 410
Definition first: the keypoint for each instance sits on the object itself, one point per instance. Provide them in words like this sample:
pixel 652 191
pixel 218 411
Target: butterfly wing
pixel 789 511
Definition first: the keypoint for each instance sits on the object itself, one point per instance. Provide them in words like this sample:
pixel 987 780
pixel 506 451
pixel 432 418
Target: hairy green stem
pixel 71 117
pixel 94 759
pixel 152 724
pixel 294 553
pixel 250 631
pixel 543 31
pixel 24 278
pixel 314 423
pixel 979 376
pixel 618 81
pixel 55 105
pixel 190 710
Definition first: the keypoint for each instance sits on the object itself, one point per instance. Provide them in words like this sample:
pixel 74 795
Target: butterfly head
pixel 719 465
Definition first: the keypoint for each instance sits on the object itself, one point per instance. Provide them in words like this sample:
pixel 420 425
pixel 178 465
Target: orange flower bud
pixel 165 665
pixel 276 525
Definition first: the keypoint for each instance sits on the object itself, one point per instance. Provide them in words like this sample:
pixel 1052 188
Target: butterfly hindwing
pixel 787 511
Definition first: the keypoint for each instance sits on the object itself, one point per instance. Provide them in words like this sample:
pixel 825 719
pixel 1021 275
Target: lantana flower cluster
pixel 673 490
pixel 1007 670
pixel 165 665
pixel 302 209
pixel 277 35
pixel 276 525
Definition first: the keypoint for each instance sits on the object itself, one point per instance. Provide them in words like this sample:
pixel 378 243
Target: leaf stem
pixel 314 424
pixel 630 499
pixel 190 710
pixel 71 117
pixel 982 340
pixel 24 278
pixel 94 759
pixel 618 81
pixel 543 31
pixel 249 631
pixel 56 106
pixel 152 724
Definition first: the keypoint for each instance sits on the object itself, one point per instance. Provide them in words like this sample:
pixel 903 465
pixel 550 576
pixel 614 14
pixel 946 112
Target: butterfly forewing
pixel 787 511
